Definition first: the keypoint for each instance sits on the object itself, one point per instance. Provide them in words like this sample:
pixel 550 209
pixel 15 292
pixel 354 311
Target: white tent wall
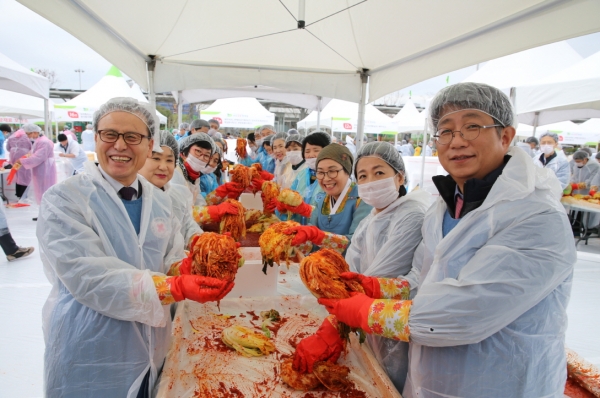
pixel 573 93
pixel 245 113
pixel 21 106
pixel 409 118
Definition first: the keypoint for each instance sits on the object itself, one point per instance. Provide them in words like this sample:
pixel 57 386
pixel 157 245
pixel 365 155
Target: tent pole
pixel 179 109
pixel 535 122
pixel 364 78
pixel 423 153
pixel 319 114
pixel 151 94
pixel 46 118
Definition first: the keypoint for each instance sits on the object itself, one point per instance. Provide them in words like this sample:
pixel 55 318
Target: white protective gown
pixel 383 245
pixel 560 166
pixel 104 325
pixel 182 210
pixel 194 189
pixel 586 174
pixel 489 317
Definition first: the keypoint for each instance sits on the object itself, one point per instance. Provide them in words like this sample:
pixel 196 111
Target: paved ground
pixel 24 288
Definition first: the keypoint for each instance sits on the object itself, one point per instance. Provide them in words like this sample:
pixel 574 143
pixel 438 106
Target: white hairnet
pixel 383 150
pixel 293 138
pixel 196 138
pixel 88 126
pixel 265 127
pixel 167 139
pixel 292 131
pixel 141 110
pixel 185 126
pixel 198 124
pixel 554 136
pixel 31 128
pixel 477 96
pixel 215 121
pixel 580 155
pixel 279 136
pixel 524 146
pixel 218 150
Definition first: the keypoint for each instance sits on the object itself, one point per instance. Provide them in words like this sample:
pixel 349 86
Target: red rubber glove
pixel 370 284
pixel 304 209
pixel 265 175
pixel 353 311
pixel 575 186
pixel 592 193
pixel 231 190
pixel 281 207
pixel 269 207
pixel 186 266
pixel 198 288
pixel 257 184
pixel 305 233
pixel 216 212
pixel 325 345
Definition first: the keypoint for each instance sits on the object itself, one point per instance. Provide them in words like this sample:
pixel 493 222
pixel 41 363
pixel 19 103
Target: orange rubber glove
pixel 265 175
pixel 305 233
pixel 369 283
pixel 353 311
pixel 304 209
pixel 198 288
pixel 592 192
pixel 271 206
pixel 257 184
pixel 325 345
pixel 216 212
pixel 231 190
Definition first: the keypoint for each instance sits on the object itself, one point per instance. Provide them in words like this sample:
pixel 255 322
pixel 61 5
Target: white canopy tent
pixel 526 66
pixel 573 93
pixel 568 132
pixel 245 113
pixel 409 118
pixel 112 85
pixel 23 87
pixel 136 92
pixel 342 116
pixel 324 48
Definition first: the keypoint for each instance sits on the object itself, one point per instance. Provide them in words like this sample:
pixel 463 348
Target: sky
pixel 37 43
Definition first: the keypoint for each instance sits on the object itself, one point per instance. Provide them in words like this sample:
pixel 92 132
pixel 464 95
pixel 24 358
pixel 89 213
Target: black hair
pixel 5 127
pixel 317 138
pixel 62 137
pixel 251 137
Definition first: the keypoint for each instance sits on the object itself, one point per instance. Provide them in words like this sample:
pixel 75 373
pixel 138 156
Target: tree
pixel 50 75
pixel 171 118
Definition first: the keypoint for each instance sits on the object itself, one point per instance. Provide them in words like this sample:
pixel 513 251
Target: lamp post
pixel 79 71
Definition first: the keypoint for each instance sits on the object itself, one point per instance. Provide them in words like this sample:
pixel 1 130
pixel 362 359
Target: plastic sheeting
pixel 199 364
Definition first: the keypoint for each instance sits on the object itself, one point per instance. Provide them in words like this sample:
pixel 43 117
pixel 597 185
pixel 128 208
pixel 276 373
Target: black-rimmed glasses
pixel 330 173
pixel 110 136
pixel 468 132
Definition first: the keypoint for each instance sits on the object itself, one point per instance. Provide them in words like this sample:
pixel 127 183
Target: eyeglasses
pixel 330 173
pixel 111 136
pixel 468 132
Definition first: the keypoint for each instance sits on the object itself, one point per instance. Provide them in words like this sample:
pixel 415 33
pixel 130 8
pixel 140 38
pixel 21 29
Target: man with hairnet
pixel 183 131
pixel 199 126
pixel 489 316
pixel 534 145
pixel 87 139
pixel 40 162
pixel 69 148
pixel 583 173
pixel 110 245
pixel 550 159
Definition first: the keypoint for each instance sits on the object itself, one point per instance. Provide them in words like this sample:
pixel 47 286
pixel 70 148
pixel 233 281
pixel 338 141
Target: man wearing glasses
pixel 495 265
pixel 110 243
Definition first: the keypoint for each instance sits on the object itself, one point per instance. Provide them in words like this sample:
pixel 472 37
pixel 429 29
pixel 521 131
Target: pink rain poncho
pixel 18 145
pixel 42 166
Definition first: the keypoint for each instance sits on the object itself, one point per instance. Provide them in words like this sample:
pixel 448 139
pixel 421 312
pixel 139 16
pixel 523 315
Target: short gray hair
pixel 550 134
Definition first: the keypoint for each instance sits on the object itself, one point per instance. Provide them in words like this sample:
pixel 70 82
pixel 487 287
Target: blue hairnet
pixel 477 96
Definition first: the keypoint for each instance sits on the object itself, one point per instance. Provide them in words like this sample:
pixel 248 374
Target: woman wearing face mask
pixel 550 159
pixel 158 170
pixel 306 181
pixel 195 153
pixel 583 174
pixel 295 162
pixel 339 209
pixel 208 180
pixel 383 246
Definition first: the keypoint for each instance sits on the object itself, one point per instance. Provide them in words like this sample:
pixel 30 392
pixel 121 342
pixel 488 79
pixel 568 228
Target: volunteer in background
pixel 549 158
pixel 71 150
pixel 87 139
pixel 19 145
pixel 584 173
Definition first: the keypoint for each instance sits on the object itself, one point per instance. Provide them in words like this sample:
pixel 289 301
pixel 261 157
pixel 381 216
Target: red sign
pixel 560 138
pixel 73 114
pixel 218 119
pixel 348 126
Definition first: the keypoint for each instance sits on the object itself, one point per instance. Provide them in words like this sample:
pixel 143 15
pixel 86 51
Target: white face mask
pixel 195 163
pixel 294 157
pixel 207 169
pixel 547 149
pixel 311 163
pixel 379 194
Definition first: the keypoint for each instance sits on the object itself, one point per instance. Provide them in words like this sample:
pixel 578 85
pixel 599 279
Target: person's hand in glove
pixel 257 184
pixel 325 345
pixel 216 212
pixel 304 209
pixel 305 233
pixel 231 190
pixel 198 288
pixel 381 317
pixel 593 190
pixel 266 176
pixel 377 288
pixel 578 185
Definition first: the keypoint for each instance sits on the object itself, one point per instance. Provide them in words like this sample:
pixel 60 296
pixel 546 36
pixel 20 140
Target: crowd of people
pixel 463 297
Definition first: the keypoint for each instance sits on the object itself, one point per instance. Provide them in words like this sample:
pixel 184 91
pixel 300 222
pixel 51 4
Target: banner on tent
pixel 349 125
pixel 73 113
pixel 238 119
pixel 13 120
pixel 577 138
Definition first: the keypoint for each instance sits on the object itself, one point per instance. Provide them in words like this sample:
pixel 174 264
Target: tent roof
pixel 16 78
pixel 340 108
pixel 409 118
pixel 111 85
pixel 307 101
pixel 20 105
pixel 340 38
pixel 526 66
pixel 572 93
pixel 136 92
pixel 231 105
pixel 591 126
